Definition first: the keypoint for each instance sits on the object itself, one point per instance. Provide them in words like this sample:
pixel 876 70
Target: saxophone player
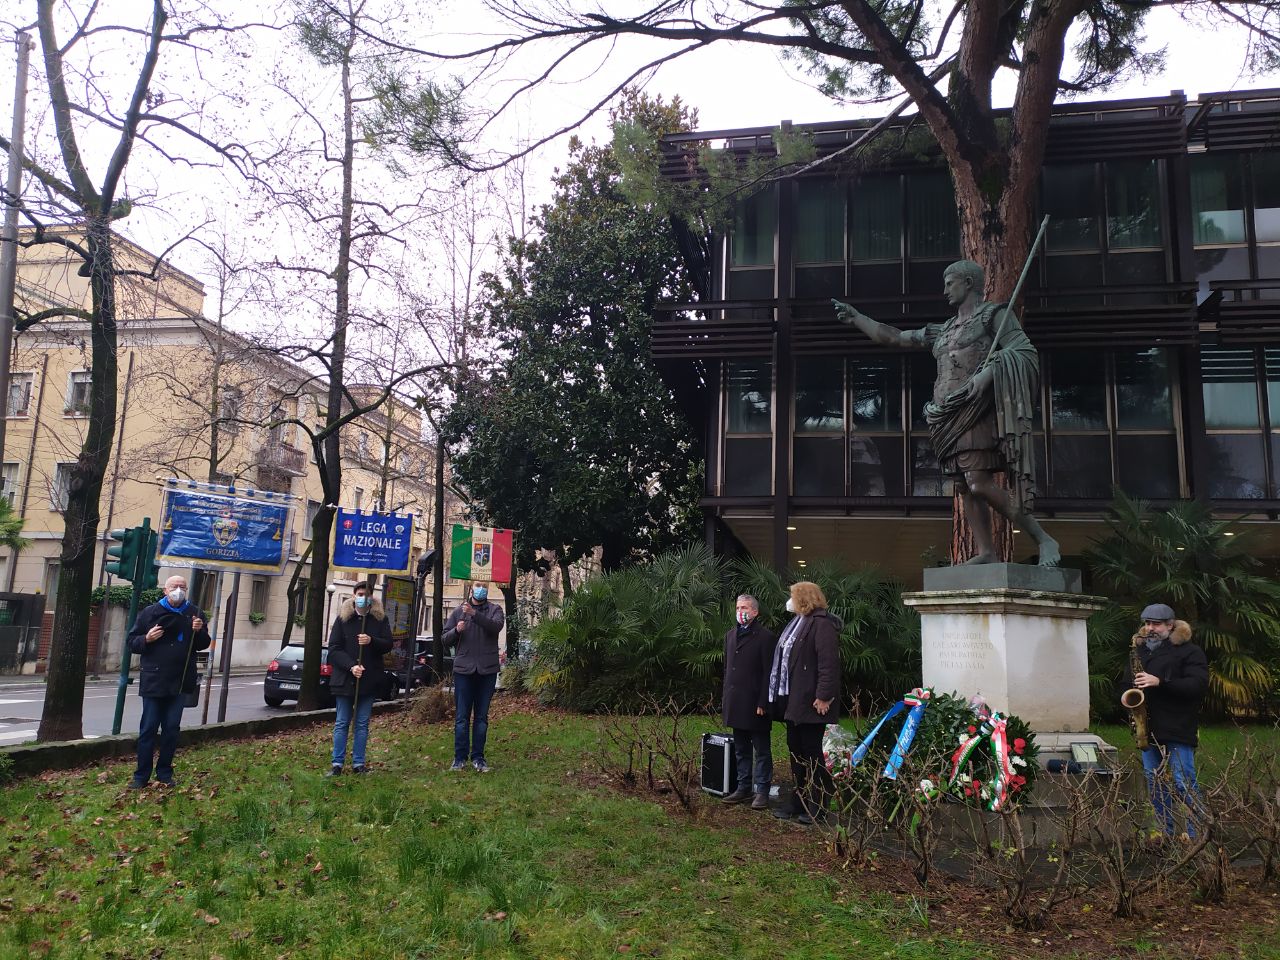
pixel 1173 678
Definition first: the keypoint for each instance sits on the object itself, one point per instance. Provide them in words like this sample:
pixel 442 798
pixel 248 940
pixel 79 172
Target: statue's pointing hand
pixel 845 312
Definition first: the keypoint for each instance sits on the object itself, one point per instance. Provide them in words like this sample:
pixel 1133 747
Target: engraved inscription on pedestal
pixel 965 650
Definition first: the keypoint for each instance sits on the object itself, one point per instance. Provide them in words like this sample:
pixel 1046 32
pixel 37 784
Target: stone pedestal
pixel 1014 634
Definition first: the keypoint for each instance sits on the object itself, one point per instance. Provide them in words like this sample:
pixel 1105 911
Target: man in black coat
pixel 1174 678
pixel 360 636
pixel 748 655
pixel 166 636
pixel 473 628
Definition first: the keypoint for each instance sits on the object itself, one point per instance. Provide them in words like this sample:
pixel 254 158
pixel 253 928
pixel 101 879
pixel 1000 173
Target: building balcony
pixel 282 458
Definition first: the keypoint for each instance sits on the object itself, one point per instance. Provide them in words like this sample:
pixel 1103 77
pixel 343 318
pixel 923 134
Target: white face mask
pixel 791 605
pixel 177 595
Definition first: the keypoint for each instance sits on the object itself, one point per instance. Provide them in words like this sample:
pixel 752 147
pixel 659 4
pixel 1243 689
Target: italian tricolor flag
pixel 480 553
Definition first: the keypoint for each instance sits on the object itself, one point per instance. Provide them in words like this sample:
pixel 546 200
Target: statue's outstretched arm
pixel 881 333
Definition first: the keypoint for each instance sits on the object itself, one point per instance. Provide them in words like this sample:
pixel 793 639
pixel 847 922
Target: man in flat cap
pixel 1174 678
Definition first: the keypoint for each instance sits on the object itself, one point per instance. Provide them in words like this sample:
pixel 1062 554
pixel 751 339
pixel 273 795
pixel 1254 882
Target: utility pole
pixel 9 239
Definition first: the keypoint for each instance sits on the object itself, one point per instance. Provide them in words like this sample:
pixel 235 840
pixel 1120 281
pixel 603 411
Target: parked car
pixel 284 678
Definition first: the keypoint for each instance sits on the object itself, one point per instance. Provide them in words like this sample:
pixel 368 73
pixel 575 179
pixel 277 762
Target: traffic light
pixel 132 543
pixel 148 568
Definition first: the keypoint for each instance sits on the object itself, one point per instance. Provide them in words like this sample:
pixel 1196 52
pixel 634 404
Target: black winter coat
pixel 815 670
pixel 477 645
pixel 1173 707
pixel 168 666
pixel 748 658
pixel 345 650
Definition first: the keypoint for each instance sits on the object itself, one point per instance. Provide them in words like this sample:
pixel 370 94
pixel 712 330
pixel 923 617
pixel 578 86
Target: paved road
pixel 21 703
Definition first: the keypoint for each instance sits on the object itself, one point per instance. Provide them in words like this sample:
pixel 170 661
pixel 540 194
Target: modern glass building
pixel 1155 306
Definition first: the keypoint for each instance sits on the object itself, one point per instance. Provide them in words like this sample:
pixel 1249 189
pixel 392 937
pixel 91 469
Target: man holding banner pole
pixel 474 629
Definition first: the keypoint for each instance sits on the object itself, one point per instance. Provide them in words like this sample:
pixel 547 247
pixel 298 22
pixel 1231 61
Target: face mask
pixel 362 603
pixel 744 617
pixel 791 605
pixel 176 596
pixel 480 594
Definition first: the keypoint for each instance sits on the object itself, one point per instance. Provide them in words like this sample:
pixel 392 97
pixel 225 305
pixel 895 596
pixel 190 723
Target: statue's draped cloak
pixel 1015 368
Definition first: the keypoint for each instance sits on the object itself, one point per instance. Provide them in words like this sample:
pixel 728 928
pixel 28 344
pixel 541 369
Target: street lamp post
pixel 328 607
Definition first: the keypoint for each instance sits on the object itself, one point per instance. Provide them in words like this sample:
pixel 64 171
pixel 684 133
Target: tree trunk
pixel 566 582
pixel 61 718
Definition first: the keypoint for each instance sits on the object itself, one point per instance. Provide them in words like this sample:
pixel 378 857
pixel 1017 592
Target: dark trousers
pixel 162 715
pixel 753 754
pixel 814 786
pixel 471 695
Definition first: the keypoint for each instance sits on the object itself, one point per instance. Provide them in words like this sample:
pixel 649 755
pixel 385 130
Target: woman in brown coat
pixel 804 688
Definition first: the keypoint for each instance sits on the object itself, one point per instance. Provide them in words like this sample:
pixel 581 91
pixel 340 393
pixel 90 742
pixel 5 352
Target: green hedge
pixel 120 594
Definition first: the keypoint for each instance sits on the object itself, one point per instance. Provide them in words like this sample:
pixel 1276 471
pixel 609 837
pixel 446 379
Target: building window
pixel 818 452
pixel 52 571
pixel 204 589
pixel 362 446
pixel 9 476
pixel 754 224
pixel 359 497
pixel 60 489
pixel 819 221
pixel 1235 206
pixel 230 405
pixel 77 393
pixel 260 595
pixel 875 427
pixel 931 213
pixel 19 394
pixel 1237 468
pixel 1069 192
pixel 1217 199
pixel 1133 204
pixel 748 449
pixel 313 508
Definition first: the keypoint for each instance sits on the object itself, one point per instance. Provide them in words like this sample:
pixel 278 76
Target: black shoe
pixel 335 770
pixel 741 795
pixel 359 770
pixel 782 813
pixel 136 784
pixel 760 801
pixel 803 819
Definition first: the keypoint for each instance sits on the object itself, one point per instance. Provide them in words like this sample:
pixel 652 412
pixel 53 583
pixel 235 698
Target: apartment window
pixel 60 489
pixel 19 394
pixel 204 588
pixel 9 475
pixel 77 393
pixel 1069 190
pixel 52 571
pixel 362 446
pixel 1233 424
pixel 230 408
pixel 819 221
pixel 875 427
pixel 313 508
pixel 359 498
pixel 934 223
pixel 1133 204
pixel 1235 206
pixel 260 595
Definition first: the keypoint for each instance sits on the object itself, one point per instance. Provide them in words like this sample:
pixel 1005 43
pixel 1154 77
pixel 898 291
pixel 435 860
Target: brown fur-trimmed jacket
pixel 1173 707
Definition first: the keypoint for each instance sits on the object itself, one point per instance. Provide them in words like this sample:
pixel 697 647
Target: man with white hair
pixel 166 636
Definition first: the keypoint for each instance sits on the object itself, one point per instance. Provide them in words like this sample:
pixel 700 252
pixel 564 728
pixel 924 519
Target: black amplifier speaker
pixel 719 771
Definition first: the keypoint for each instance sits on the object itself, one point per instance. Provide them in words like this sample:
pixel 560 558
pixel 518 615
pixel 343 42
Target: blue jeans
pixel 471 695
pixel 162 714
pixel 1181 764
pixel 760 773
pixel 342 723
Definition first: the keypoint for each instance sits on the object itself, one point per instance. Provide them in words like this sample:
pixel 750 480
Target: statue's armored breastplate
pixel 961 347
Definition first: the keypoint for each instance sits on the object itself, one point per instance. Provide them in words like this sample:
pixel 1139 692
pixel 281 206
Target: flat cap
pixel 1158 611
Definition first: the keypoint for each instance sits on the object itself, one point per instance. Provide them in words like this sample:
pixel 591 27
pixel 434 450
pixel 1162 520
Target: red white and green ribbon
pixel 1004 766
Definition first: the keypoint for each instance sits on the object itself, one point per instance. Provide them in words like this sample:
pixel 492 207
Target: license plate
pixel 290 686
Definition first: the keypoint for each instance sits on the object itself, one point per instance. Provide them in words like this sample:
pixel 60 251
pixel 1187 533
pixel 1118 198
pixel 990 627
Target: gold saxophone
pixel 1133 699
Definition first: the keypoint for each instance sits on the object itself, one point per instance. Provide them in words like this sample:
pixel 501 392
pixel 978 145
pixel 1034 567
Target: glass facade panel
pixel 1078 393
pixel 1079 270
pixel 1236 467
pixel 1222 263
pixel 875 466
pixel 1135 268
pixel 1143 394
pixel 813 283
pixel 1217 199
pixel 924 370
pixel 875 401
pixel 754 223
pixel 1082 467
pixel 750 396
pixel 1271 358
pixel 1147 465
pixel 818 467
pixel 1069 192
pixel 819 395
pixel 1266 197
pixel 927 479
pixel 932 215
pixel 876 280
pixel 1230 389
pixel 877 218
pixel 748 467
pixel 1275 459
pixel 819 221
pixel 1133 204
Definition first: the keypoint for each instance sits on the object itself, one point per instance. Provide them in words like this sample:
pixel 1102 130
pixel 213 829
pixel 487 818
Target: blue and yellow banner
pixel 216 527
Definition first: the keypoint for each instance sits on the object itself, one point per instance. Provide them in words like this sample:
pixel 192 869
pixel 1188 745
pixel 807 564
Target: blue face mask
pixel 362 603
pixel 479 594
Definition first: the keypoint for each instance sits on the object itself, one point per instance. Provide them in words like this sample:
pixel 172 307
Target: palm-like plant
pixel 1204 569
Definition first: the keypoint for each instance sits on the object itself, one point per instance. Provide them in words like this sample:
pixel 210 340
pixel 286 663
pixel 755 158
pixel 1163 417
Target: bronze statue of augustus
pixel 982 409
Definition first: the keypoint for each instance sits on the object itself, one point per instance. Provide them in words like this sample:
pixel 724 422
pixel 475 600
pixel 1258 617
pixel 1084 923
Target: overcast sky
pixel 729 86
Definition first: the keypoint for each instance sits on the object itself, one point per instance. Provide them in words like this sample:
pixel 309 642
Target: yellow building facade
pixel 194 402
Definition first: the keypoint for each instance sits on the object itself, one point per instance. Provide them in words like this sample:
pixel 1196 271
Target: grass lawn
pixel 256 854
